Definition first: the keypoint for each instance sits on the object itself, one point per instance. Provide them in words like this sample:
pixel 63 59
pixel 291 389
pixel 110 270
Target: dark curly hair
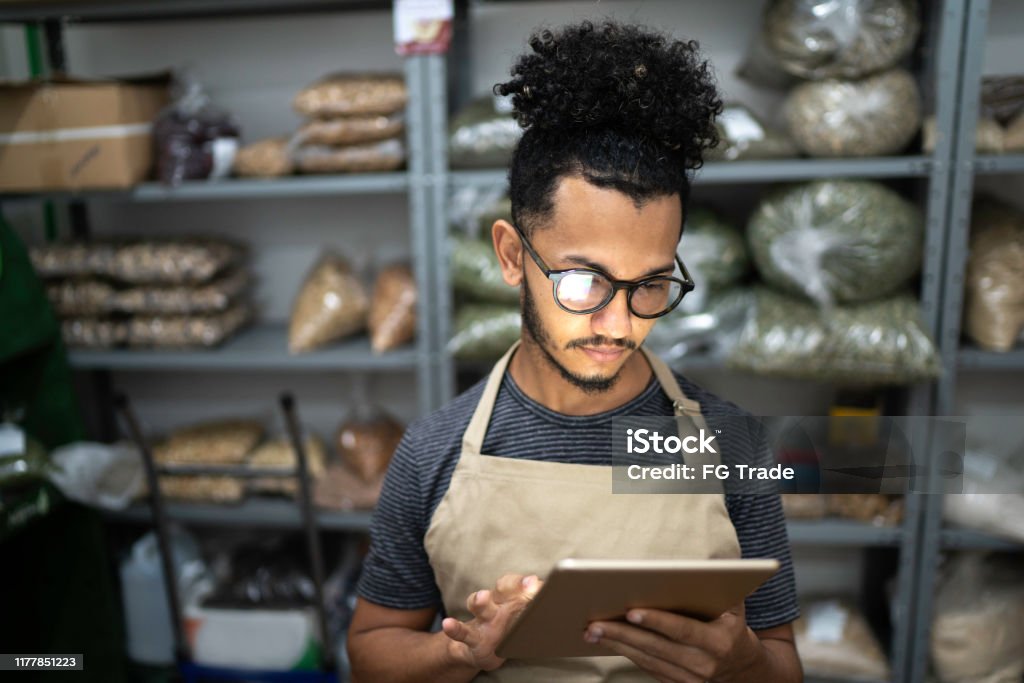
pixel 622 106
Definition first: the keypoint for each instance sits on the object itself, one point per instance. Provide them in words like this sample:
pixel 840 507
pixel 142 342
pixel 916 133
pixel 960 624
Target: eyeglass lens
pixel 585 291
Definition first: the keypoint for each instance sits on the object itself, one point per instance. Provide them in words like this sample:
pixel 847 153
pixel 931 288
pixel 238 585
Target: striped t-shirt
pixel 397 572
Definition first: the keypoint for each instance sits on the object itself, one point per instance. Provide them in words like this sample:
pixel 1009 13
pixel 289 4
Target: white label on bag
pixel 422 27
pixel 826 622
pixel 12 439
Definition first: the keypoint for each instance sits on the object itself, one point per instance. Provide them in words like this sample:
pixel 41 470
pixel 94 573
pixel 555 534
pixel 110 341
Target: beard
pixel 534 327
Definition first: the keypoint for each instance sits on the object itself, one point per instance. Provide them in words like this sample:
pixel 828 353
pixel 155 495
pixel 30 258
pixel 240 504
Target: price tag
pixel 423 27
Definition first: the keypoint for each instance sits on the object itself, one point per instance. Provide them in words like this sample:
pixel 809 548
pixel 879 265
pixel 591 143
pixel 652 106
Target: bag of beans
pixel 387 155
pixel 392 317
pixel 350 130
pixel 331 304
pixel 343 94
pixel 994 301
pixel 217 442
pixel 268 158
pixel 367 442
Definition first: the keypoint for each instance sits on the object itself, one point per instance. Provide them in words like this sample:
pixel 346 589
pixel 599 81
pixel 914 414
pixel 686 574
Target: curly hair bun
pixel 621 77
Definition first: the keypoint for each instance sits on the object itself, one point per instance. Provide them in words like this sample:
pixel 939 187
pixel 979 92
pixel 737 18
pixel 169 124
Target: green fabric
pixel 57 588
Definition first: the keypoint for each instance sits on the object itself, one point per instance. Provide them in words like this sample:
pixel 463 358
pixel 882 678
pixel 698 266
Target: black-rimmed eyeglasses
pixel 585 290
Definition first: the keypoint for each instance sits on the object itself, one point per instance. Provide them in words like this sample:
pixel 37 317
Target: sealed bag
pixel 387 155
pixel 843 241
pixel 342 489
pixel 978 623
pixel 876 116
pixel 1013 140
pixel 216 442
pixel 476 273
pixel 367 442
pixel 93 333
pixel 194 140
pixel 202 488
pixel 95 297
pixel 331 304
pixel 352 95
pixel 483 134
pixel 484 331
pixel 711 329
pixel 186 331
pixel 392 317
pixel 742 135
pixel 882 342
pixel 818 39
pixel 350 130
pixel 980 505
pixel 994 288
pixel 713 250
pixel 834 640
pixel 279 454
pixel 268 158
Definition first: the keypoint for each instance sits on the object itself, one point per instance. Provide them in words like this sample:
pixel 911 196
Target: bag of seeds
pixel 350 130
pixel 387 155
pixel 876 116
pixel 279 454
pixel 352 95
pixel 366 443
pixel 818 39
pixel 331 304
pixel 994 287
pixel 268 158
pixel 836 241
pixel 93 333
pixel 392 317
pixel 217 442
pixel 186 331
pixel 202 488
pixel 72 298
pixel 743 135
pixel 483 134
pixel 484 331
pixel 476 274
pixel 882 342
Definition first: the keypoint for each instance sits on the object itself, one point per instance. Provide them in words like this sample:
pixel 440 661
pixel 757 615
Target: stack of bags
pixel 487 318
pixel 854 100
pixel 355 123
pixel 837 257
pixel 146 293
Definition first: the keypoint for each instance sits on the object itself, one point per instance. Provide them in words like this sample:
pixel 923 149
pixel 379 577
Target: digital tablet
pixel 578 592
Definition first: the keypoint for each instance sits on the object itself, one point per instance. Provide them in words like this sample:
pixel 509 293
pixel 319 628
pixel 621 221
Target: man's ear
pixel 509 249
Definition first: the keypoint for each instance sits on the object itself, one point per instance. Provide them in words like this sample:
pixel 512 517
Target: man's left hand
pixel 677 649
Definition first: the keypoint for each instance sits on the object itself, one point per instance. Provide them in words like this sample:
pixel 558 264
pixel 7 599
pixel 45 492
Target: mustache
pixel 627 344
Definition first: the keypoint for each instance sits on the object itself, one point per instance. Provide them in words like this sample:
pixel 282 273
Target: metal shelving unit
pixel 970 358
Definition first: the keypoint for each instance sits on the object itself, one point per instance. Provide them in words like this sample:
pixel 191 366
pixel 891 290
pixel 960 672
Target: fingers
pixel 513 587
pixel 456 630
pixel 654 644
pixel 481 605
pixel 675 627
pixel 658 668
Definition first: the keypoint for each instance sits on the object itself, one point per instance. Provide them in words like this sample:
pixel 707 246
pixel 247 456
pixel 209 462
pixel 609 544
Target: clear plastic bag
pixel 994 301
pixel 194 140
pixel 978 507
pixel 350 130
pixel 367 441
pixel 882 342
pixel 876 116
pixel 837 241
pixel 93 333
pixel 269 158
pixel 483 134
pixel 713 250
pixel 331 304
pixel 102 475
pixel 484 331
pixel 834 640
pixel 840 38
pixel 343 94
pixel 711 330
pixel 1013 139
pixel 387 155
pixel 216 442
pixel 392 317
pixel 743 135
pixel 978 625
pixel 186 331
pixel 94 297
pixel 476 273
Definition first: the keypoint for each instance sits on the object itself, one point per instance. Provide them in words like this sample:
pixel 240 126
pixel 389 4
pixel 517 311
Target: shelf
pixel 1008 163
pixel 149 10
pixel 254 512
pixel 971 358
pixel 967 539
pixel 726 172
pixel 258 348
pixel 236 188
pixel 842 532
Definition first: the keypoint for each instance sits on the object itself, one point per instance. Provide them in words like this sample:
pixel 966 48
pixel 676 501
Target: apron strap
pixel 473 438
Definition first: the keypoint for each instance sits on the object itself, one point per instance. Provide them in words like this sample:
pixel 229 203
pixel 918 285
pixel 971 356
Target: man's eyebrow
pixel 594 265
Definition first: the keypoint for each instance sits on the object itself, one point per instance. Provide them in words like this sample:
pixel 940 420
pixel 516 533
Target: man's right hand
pixel 473 642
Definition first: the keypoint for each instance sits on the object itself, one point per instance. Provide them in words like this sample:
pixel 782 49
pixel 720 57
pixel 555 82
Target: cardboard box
pixel 76 134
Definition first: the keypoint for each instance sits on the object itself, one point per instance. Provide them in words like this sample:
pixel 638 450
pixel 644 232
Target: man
pixel 488 493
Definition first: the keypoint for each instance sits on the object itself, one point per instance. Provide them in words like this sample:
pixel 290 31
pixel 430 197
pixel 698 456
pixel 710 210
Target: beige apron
pixel 515 516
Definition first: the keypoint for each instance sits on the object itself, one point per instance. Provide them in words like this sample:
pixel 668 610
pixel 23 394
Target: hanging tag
pixel 423 27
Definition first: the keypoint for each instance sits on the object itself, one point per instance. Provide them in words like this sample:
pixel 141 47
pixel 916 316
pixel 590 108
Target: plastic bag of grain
pixel 476 273
pixel 350 130
pixel 834 640
pixel 343 94
pixel 978 624
pixel 186 331
pixel 851 38
pixel 844 241
pixel 876 116
pixel 484 331
pixel 217 442
pixel 392 317
pixel 994 301
pixel 331 304
pixel 743 135
pixel 386 155
pixel 366 443
pixel 95 297
pixel 881 342
pixel 268 158
pixel 483 134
